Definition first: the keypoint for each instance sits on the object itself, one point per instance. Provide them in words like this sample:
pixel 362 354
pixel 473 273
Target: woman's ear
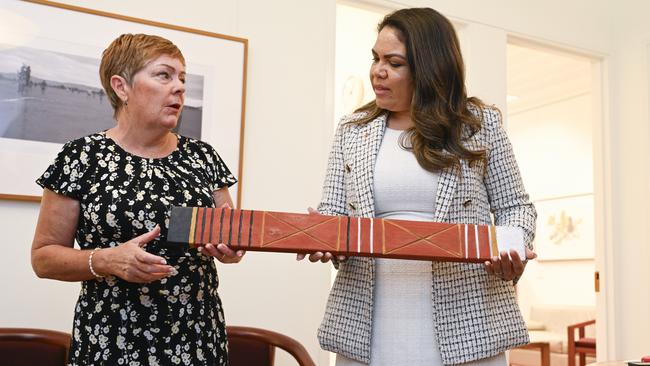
pixel 120 87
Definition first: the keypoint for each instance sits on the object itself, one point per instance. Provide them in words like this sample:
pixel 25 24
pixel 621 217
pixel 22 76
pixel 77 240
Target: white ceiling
pixel 539 76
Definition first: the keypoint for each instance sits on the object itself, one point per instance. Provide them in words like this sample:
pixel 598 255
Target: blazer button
pixel 467 203
pixel 352 206
pixel 347 168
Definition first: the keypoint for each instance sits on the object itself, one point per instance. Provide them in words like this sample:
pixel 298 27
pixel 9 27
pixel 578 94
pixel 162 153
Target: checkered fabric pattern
pixel 475 314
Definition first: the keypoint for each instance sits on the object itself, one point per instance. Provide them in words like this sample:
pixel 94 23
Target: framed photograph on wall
pixel 50 91
pixel 565 228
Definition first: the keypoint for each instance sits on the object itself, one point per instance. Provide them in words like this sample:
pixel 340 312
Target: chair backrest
pixel 254 346
pixel 26 346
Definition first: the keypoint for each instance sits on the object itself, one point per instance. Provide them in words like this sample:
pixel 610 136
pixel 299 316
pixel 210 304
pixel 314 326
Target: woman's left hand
pixel 507 267
pixel 222 252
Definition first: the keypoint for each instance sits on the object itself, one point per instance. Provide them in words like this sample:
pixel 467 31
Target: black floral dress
pixel 174 321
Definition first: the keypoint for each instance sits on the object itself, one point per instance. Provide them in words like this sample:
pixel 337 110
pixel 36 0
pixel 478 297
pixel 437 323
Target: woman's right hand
pixel 319 256
pixel 130 262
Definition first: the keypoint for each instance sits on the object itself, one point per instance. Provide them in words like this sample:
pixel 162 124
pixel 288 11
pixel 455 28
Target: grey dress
pixel 402 332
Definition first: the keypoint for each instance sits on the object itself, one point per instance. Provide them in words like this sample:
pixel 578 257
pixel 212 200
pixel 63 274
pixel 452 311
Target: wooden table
pixel 608 363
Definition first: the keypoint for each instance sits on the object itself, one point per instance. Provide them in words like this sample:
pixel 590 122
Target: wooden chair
pixel 544 349
pixel 254 346
pixel 581 345
pixel 26 346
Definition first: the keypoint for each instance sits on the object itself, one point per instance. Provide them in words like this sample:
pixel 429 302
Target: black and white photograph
pixel 50 96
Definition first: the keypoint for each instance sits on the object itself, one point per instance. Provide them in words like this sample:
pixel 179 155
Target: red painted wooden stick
pixel 341 235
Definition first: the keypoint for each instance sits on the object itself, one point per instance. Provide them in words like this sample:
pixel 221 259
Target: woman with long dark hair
pixel 424 150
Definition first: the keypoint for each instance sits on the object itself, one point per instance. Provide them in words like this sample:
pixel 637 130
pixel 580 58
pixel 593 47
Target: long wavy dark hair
pixel 440 108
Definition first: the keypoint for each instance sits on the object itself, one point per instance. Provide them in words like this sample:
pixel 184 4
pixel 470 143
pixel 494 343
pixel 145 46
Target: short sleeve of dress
pixel 219 173
pixel 64 175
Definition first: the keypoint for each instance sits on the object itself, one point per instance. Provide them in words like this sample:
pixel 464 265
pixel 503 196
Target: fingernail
pixel 163 261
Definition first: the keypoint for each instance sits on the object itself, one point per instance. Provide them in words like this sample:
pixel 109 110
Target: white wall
pixel 289 114
pixel 356 32
pixel 556 283
pixel 28 301
pixel 553 146
pixel 630 154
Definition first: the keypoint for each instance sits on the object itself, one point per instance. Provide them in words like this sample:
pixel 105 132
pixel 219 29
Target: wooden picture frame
pixel 61 29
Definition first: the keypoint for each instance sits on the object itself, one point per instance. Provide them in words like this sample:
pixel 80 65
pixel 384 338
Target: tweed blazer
pixel 475 314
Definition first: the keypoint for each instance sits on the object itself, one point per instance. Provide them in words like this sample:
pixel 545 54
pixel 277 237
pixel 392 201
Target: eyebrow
pixel 389 55
pixel 171 67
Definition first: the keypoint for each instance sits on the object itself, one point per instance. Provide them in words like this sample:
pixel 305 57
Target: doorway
pixel 554 121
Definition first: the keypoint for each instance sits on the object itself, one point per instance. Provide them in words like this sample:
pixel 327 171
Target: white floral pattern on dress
pixel 176 321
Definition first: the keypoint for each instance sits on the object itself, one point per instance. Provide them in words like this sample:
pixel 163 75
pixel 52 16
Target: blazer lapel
pixel 445 192
pixel 369 139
